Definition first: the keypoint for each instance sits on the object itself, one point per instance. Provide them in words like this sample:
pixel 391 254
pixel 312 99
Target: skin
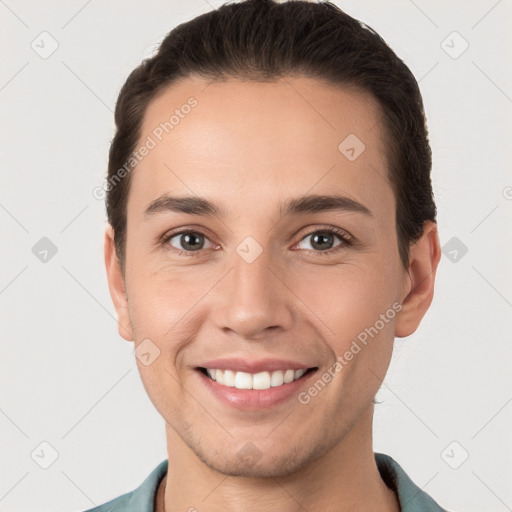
pixel 249 147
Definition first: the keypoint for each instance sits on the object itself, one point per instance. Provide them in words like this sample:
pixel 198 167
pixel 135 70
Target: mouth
pixel 256 381
pixel 252 392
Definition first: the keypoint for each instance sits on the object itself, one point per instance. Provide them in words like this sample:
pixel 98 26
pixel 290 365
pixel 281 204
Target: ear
pixel 425 254
pixel 116 286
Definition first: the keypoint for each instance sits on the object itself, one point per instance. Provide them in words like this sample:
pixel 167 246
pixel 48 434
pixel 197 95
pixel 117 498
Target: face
pixel 258 280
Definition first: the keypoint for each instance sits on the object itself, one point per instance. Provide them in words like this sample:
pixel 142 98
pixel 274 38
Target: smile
pixel 261 380
pixel 251 384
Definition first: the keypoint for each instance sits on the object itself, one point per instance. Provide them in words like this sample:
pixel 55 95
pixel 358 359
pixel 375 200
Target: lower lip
pixel 255 399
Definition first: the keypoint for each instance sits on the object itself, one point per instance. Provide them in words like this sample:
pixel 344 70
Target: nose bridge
pixel 252 298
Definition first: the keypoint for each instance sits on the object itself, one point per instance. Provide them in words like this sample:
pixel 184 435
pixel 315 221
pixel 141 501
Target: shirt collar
pixel 410 497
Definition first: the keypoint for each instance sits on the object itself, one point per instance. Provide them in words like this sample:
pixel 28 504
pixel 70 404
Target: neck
pixel 346 478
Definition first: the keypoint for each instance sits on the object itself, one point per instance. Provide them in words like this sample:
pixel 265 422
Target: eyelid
pixel 342 233
pixel 185 229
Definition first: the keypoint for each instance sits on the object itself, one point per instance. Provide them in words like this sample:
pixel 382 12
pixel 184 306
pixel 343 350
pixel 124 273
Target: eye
pixel 322 240
pixel 186 241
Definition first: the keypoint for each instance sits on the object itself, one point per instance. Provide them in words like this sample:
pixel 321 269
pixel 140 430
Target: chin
pixel 250 470
pixel 249 462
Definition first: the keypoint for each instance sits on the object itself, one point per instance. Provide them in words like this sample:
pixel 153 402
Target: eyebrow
pixel 295 206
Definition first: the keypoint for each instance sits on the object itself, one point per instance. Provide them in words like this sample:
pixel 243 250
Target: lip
pixel 238 364
pixel 255 399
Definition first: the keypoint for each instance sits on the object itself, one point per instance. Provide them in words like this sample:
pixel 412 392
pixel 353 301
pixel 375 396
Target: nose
pixel 253 300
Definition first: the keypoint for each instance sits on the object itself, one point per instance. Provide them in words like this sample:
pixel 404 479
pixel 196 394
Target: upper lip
pixel 254 366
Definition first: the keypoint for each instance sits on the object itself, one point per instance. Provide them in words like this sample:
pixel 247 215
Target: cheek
pixel 161 299
pixel 347 297
pixel 162 311
pixel 353 306
pixel 168 307
pixel 358 308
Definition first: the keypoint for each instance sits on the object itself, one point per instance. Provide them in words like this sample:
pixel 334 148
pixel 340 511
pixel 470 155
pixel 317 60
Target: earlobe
pixel 424 258
pixel 117 286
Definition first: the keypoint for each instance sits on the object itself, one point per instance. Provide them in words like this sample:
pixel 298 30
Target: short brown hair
pixel 263 40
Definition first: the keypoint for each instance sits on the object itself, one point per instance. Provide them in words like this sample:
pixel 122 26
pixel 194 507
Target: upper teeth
pixel 262 380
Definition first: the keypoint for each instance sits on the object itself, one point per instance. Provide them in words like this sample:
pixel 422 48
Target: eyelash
pixel 346 241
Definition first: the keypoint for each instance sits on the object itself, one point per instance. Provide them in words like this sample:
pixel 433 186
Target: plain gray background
pixel 69 381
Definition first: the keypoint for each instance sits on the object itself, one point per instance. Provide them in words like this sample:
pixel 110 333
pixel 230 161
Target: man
pixel 271 231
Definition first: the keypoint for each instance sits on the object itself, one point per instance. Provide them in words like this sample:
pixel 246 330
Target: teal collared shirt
pixel 410 496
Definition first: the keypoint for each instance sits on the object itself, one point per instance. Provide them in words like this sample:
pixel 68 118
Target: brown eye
pixel 188 241
pixel 324 240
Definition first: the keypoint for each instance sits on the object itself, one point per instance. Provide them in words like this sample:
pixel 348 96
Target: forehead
pixel 236 138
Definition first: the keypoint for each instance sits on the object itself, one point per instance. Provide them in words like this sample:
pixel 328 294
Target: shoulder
pixel 140 499
pixel 410 496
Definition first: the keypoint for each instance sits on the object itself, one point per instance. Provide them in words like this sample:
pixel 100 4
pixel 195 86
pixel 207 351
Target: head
pixel 260 113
